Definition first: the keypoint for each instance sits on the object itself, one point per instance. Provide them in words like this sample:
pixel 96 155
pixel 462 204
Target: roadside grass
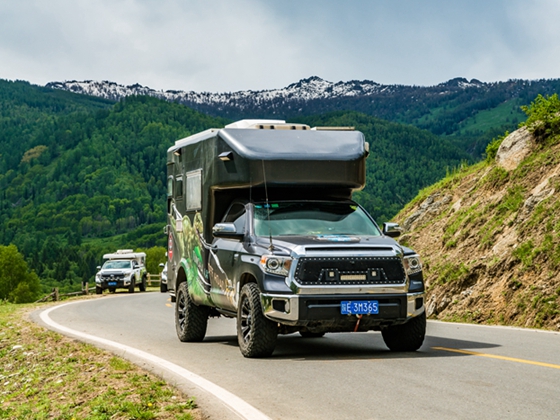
pixel 45 375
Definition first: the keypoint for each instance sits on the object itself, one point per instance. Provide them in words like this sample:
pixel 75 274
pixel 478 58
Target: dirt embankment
pixel 489 236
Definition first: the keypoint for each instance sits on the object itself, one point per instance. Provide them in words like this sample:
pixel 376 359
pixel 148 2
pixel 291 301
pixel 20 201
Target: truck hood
pixel 288 243
pixel 114 272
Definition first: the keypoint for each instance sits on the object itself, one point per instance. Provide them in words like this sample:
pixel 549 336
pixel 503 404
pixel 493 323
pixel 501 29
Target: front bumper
pixel 113 284
pixel 323 312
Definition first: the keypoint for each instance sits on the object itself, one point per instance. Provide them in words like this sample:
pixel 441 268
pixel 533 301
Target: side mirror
pixel 161 265
pixel 98 267
pixel 226 230
pixel 392 230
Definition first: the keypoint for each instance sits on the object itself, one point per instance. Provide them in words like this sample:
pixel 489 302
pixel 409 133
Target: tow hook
pixel 358 322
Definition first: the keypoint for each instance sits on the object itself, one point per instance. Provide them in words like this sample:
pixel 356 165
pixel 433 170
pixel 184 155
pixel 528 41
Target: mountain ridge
pixel 309 88
pixel 472 111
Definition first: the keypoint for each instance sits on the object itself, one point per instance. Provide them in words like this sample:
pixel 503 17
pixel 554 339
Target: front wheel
pixel 406 337
pixel 98 290
pixel 191 320
pixel 256 334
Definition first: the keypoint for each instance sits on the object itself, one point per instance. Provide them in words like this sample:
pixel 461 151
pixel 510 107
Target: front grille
pixel 350 271
pixel 113 277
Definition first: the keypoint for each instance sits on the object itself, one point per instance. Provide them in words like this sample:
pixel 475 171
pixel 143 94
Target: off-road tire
pixel 142 286
pixel 406 337
pixel 163 287
pixel 191 320
pixel 132 285
pixel 98 290
pixel 309 334
pixel 256 334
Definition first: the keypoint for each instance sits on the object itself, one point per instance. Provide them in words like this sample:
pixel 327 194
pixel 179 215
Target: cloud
pixel 213 45
pixel 225 45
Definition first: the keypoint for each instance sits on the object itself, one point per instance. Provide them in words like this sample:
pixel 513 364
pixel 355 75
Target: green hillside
pixel 81 176
pixel 76 171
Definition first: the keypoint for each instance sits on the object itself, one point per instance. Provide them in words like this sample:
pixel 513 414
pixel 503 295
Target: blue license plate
pixel 112 283
pixel 359 307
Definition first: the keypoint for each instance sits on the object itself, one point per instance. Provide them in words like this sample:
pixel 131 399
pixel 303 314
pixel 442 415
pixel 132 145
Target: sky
pixel 233 45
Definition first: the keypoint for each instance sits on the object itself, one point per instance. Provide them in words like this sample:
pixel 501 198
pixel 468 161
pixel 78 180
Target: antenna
pixel 271 247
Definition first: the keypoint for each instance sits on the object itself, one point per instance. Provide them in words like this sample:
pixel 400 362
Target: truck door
pixel 224 257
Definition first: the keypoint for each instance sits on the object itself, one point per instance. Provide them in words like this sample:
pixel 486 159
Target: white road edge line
pixel 240 407
pixel 503 327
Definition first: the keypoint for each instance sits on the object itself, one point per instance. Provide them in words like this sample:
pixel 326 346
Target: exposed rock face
pixel 490 243
pixel 431 206
pixel 515 147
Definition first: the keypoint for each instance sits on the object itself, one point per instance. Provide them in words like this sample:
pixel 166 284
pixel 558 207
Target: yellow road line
pixel 495 356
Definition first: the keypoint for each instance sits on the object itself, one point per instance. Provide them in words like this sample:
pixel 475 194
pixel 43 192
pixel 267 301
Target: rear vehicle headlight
pixel 412 264
pixel 276 265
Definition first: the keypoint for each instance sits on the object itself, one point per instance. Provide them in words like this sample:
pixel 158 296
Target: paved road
pixel 461 371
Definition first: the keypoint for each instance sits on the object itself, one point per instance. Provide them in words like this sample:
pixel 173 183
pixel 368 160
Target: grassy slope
pixel 507 113
pixel 46 375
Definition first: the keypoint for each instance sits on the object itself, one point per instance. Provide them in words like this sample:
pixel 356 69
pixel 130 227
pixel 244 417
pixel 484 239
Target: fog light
pixel 281 305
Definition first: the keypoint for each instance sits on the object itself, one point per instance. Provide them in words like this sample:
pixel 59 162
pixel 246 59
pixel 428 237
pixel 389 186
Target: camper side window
pixel 170 186
pixel 179 186
pixel 194 190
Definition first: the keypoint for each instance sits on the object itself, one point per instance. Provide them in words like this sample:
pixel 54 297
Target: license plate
pixel 112 283
pixel 359 307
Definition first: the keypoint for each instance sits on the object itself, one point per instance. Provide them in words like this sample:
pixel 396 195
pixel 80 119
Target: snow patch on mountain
pixel 305 90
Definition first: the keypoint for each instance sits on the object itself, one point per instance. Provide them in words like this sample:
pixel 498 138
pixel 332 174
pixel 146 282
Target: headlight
pixel 412 264
pixel 276 265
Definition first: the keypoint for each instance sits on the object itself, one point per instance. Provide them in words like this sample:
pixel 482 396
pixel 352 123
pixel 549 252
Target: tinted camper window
pixel 170 186
pixel 194 190
pixel 179 186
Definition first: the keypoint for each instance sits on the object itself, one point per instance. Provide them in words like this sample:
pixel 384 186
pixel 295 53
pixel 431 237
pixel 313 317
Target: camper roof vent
pixel 267 125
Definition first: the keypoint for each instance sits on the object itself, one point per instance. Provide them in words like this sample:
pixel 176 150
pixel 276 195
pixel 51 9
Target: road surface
pixel 461 371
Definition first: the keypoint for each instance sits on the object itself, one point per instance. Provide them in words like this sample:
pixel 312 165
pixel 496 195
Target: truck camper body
pixel 262 227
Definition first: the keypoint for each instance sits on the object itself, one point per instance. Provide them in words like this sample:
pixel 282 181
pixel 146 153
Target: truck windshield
pixel 117 264
pixel 312 218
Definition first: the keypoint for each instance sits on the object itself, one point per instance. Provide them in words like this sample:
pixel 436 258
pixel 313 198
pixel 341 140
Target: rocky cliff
pixel 489 236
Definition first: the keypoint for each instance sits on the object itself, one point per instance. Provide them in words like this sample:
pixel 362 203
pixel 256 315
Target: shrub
pixel 543 116
pixel 17 283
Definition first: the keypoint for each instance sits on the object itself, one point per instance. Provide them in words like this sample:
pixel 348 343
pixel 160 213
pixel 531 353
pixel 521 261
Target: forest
pixel 82 176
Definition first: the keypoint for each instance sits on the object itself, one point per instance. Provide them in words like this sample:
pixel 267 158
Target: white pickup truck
pixel 124 269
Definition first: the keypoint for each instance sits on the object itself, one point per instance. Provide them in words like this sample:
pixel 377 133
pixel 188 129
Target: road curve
pixel 461 371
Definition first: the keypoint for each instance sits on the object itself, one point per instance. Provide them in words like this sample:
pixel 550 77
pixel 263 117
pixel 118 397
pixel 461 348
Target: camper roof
pixel 124 254
pixel 277 140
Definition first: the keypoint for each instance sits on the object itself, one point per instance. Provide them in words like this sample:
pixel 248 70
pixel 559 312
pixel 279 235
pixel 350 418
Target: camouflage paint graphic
pixel 191 249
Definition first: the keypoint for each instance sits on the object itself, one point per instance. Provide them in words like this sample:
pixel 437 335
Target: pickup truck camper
pixel 122 269
pixel 262 227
